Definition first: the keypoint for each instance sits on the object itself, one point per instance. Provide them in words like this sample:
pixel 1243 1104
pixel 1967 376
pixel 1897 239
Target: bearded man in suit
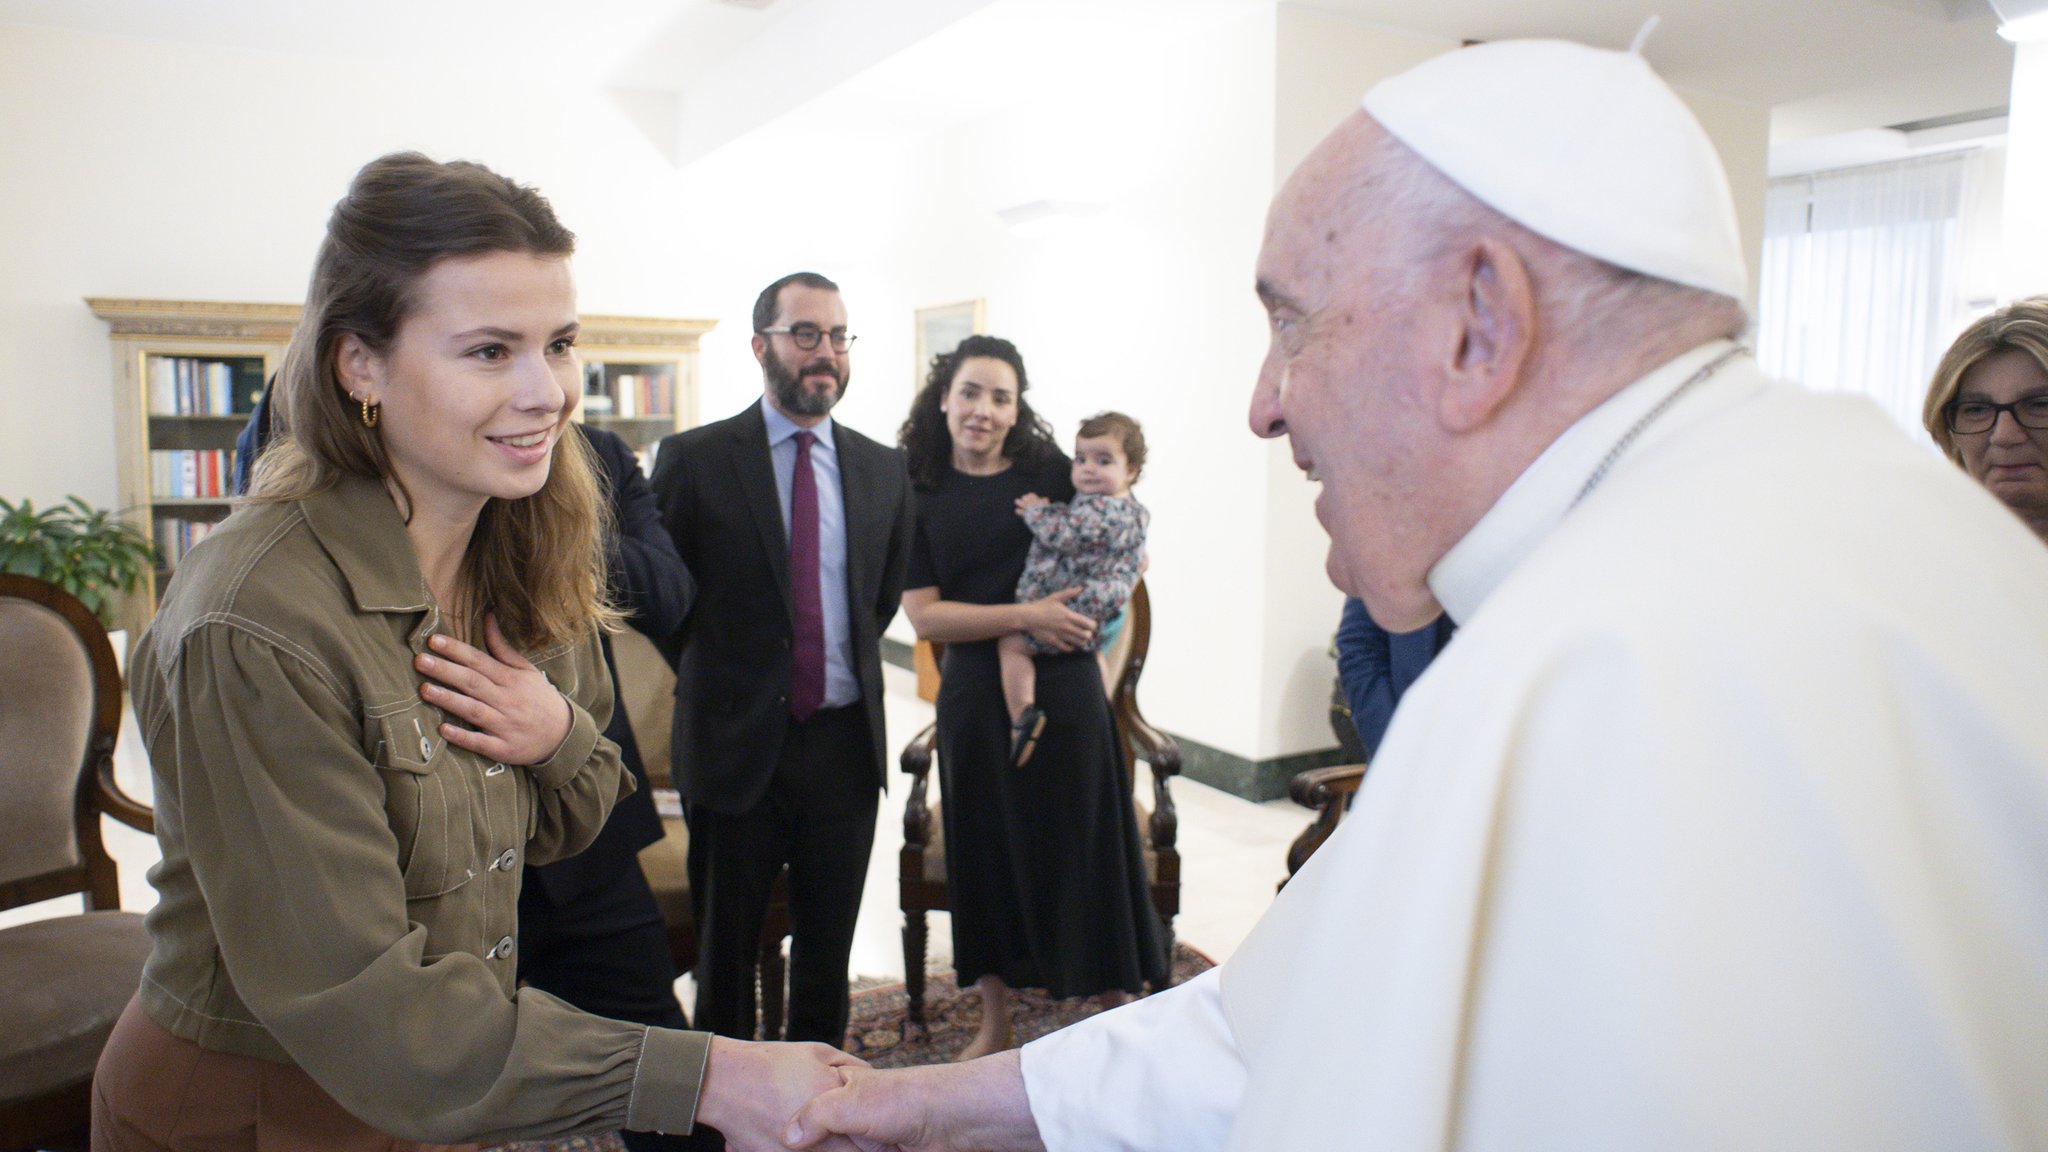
pixel 798 531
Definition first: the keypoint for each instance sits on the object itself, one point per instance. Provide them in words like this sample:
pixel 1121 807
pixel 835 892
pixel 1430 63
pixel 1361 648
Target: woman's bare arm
pixel 952 622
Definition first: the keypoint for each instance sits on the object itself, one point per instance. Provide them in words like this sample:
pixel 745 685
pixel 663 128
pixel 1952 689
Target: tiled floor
pixel 1233 853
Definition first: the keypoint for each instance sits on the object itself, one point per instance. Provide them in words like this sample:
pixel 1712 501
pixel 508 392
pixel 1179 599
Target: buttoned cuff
pixel 560 768
pixel 668 1081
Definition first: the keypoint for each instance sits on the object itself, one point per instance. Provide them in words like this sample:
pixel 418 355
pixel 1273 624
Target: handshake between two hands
pixel 771 1097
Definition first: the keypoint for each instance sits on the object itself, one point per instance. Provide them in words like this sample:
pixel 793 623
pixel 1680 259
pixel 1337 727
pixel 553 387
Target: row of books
pixel 191 473
pixel 174 538
pixel 628 393
pixel 190 386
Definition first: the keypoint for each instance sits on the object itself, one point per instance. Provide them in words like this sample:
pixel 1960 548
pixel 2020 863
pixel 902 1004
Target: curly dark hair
pixel 928 444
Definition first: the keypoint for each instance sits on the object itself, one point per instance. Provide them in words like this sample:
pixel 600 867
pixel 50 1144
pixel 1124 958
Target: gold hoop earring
pixel 371 413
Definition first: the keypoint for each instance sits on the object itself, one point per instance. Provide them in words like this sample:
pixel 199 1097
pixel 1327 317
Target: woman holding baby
pixel 1042 854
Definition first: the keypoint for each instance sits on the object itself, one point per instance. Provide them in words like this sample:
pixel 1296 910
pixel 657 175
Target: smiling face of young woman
pixel 980 407
pixel 478 385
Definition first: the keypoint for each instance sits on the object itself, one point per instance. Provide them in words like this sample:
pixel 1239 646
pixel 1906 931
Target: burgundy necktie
pixel 807 666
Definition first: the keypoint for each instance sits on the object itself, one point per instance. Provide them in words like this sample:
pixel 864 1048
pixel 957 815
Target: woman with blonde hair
pixel 1988 407
pixel 373 695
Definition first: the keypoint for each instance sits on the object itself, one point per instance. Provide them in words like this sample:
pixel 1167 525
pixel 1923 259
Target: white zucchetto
pixel 1586 147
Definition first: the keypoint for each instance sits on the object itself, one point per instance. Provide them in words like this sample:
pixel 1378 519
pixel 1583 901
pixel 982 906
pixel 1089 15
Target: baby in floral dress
pixel 1094 542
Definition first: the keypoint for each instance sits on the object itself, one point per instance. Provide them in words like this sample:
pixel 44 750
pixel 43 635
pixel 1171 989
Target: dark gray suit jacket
pixel 716 487
pixel 650 583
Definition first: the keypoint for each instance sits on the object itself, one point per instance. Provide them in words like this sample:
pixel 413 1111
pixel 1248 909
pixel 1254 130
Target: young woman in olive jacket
pixel 374 695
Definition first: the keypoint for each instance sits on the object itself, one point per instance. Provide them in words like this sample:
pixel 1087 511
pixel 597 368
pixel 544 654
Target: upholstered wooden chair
pixel 64 980
pixel 646 690
pixel 922 864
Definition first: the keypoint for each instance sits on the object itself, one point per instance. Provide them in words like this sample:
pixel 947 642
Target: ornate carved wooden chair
pixel 922 865
pixel 64 980
pixel 646 689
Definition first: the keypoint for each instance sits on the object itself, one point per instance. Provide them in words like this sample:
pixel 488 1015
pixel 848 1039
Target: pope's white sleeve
pixel 1160 1073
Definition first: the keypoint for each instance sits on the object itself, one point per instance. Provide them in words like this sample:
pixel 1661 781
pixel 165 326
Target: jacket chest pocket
pixel 428 800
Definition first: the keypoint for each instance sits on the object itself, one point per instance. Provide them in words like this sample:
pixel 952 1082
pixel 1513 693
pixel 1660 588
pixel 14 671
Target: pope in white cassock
pixel 1722 824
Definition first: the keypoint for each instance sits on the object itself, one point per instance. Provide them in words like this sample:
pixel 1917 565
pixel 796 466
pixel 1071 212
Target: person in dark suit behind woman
pixel 592 932
pixel 797 529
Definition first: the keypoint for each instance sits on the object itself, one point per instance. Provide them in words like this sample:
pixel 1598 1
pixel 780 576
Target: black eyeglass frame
pixel 2039 402
pixel 809 336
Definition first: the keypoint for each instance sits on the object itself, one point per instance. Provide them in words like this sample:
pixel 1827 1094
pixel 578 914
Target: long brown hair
pixel 537 562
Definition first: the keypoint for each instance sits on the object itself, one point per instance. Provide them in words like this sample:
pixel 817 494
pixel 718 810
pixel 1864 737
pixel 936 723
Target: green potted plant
pixel 89 552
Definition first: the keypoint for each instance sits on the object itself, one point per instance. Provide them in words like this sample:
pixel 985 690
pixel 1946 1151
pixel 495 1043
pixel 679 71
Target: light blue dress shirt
pixel 841 687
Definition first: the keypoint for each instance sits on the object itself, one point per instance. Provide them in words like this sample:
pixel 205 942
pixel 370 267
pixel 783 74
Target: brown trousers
pixel 155 1092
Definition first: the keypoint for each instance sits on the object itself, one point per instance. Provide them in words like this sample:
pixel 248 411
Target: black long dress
pixel 1046 877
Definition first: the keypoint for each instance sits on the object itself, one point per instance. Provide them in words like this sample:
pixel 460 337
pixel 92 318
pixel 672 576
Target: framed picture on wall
pixel 941 328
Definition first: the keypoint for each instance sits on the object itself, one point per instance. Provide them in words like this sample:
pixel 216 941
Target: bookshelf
pixel 187 374
pixel 640 377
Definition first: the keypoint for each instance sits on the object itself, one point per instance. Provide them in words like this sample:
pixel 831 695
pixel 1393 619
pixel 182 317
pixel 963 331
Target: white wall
pixel 157 169
pixel 1323 66
pixel 1144 306
pixel 1326 63
pixel 173 170
pixel 169 170
pixel 1742 135
pixel 1981 275
pixel 2026 174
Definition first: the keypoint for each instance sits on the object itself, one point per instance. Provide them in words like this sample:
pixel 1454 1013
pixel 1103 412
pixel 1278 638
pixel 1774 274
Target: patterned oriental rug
pixel 876 1030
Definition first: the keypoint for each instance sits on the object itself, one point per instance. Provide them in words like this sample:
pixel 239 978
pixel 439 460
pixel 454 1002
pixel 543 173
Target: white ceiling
pixel 1823 66
pixel 1771 52
pixel 598 41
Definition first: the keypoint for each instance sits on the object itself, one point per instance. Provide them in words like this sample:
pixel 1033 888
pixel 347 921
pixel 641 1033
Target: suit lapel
pixel 756 473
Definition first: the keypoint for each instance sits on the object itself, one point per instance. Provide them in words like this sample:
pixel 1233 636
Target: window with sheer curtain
pixel 1860 281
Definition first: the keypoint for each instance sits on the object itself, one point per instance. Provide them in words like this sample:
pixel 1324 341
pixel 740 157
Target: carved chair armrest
pixel 1157 749
pixel 1319 788
pixel 917 764
pixel 1147 743
pixel 112 800
pixel 1327 790
pixel 1151 745
pixel 1164 826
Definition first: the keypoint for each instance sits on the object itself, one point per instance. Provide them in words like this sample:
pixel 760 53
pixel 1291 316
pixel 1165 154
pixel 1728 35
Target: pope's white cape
pixel 1722 824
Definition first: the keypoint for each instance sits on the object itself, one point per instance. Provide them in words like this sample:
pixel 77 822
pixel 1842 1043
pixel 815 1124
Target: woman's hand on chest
pixel 512 713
